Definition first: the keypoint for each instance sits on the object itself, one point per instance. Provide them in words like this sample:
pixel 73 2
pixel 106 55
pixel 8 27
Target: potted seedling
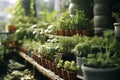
pixel 66 45
pixel 40 35
pixel 66 66
pixel 43 53
pixel 63 23
pixel 105 64
pixel 72 71
pixel 69 70
pixel 77 22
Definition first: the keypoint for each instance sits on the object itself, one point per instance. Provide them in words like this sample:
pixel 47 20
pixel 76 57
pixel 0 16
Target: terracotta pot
pixel 10 44
pixel 37 58
pixel 49 64
pixel 34 56
pixel 43 62
pixel 71 75
pixel 79 32
pixel 11 28
pixel 54 68
pixel 22 49
pixel 58 32
pixel 88 33
pixel 73 32
pixel 67 33
pixel 46 63
pixel 64 74
pixel 40 61
pixel 59 72
pixel 62 32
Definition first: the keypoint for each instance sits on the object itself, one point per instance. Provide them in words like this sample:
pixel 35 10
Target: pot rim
pixel 92 69
pixel 117 24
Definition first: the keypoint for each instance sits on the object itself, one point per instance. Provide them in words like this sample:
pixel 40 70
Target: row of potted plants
pixel 64 69
pixel 68 69
pixel 93 49
pixel 69 26
pixel 95 52
pixel 102 52
pixel 55 65
pixel 100 57
pixel 51 52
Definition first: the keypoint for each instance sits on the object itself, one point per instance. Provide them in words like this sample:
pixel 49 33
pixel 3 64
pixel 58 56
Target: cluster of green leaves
pixel 68 65
pixel 20 11
pixel 107 54
pixel 60 63
pixel 116 16
pixel 23 33
pixel 21 21
pixel 32 8
pixel 99 51
pixel 63 20
pixel 17 75
pixel 48 16
pixel 40 35
pixel 48 50
pixel 76 22
pixel 42 50
pixel 31 31
pixel 103 60
pixel 80 21
pixel 67 43
pixel 82 47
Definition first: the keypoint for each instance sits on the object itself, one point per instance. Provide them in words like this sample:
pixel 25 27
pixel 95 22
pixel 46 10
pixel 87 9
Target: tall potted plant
pixel 77 22
pixel 104 65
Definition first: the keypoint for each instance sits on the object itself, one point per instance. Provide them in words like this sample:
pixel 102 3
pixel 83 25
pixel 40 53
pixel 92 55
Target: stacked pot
pixel 102 15
pixel 84 5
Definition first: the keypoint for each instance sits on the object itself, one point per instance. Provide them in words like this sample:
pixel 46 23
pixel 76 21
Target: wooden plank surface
pixel 41 69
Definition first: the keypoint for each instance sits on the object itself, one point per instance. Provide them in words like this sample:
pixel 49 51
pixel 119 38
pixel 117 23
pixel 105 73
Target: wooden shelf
pixel 41 69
